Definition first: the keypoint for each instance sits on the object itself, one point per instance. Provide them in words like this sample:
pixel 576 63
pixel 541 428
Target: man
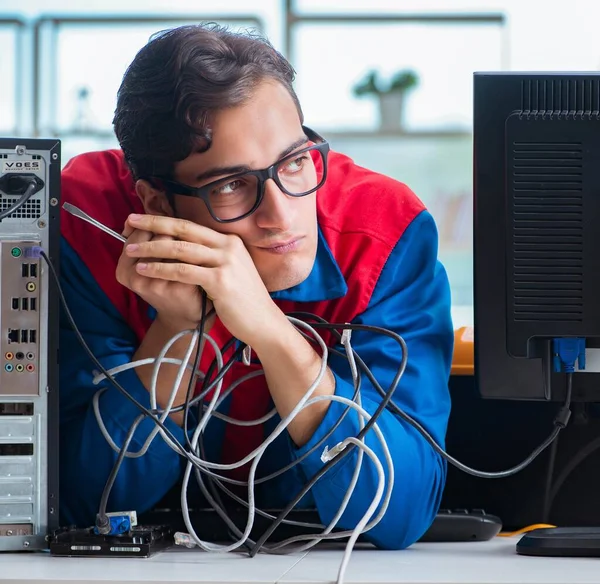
pixel 219 186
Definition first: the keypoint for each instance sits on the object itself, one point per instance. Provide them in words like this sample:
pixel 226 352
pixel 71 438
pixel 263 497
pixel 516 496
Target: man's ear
pixel 155 201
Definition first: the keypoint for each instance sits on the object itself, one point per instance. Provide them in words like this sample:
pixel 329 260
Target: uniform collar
pixel 325 281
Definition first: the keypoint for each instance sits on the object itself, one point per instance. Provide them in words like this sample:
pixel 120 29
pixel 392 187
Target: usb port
pixel 33 303
pixel 33 336
pixel 15 304
pixel 25 270
pixel 24 336
pixel 33 270
pixel 24 303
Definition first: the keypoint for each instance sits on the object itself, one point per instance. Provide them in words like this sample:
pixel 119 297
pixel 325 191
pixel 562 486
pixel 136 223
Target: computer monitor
pixel 536 231
pixel 537 247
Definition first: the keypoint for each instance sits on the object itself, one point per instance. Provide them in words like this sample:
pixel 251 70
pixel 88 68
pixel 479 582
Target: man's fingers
pixel 169 249
pixel 139 236
pixel 127 230
pixel 176 272
pixel 126 262
pixel 178 229
pixel 157 237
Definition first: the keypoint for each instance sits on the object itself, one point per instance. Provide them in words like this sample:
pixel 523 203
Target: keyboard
pixel 448 525
pixel 463 525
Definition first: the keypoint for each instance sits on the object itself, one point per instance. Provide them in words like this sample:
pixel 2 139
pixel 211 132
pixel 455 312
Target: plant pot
pixel 391 110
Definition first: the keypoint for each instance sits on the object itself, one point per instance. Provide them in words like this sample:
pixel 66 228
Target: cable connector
pixel 184 539
pixel 563 417
pixel 115 523
pixel 17 183
pixel 566 352
pixel 328 455
pixel 346 336
pixel 34 252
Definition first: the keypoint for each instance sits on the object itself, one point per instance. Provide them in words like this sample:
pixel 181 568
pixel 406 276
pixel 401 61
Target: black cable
pixel 209 492
pixel 207 386
pixel 560 421
pixel 29 192
pixel 219 507
pixel 239 500
pixel 192 383
pixel 552 462
pixel 350 447
pixel 148 413
pixel 548 481
pixel 586 451
pixel 213 480
pixel 574 462
pixel 331 430
pixel 207 389
pixel 102 521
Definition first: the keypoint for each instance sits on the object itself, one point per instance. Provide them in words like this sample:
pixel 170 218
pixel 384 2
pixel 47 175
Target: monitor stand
pixel 561 541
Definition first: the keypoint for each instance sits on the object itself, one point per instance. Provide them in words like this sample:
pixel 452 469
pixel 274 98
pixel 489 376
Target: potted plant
pixel 391 95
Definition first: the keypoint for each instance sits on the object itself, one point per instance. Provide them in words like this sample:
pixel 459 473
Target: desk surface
pixel 493 562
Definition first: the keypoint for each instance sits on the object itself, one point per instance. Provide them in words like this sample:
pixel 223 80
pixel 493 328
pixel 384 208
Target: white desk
pixel 493 562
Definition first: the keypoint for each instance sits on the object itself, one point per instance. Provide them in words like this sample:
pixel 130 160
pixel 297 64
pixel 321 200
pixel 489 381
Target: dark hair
pixel 177 80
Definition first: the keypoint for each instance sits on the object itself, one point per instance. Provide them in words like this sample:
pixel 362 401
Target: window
pixel 331 58
pixel 10 74
pixel 78 82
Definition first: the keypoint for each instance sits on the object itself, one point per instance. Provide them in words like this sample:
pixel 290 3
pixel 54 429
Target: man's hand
pixel 185 254
pixel 176 303
pixel 182 256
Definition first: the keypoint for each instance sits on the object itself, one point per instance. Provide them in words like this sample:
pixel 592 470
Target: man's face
pixel 281 235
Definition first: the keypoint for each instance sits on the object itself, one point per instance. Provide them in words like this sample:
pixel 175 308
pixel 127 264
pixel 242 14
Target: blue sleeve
pixel 86 459
pixel 412 298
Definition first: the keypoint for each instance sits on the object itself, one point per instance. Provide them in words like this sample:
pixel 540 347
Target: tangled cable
pixel 192 450
pixel 210 469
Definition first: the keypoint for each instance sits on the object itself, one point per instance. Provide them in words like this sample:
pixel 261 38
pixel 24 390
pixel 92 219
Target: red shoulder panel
pixel 100 184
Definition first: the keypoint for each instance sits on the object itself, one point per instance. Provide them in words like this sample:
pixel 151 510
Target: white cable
pixel 341 446
pixel 99 377
pixel 354 371
pixel 229 390
pixel 215 396
pixel 360 527
pixel 167 410
pixel 364 524
pixel 346 335
pixel 255 456
pixel 148 361
pixel 281 426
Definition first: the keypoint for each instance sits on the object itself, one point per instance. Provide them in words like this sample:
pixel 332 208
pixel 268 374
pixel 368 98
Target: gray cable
pixel 202 466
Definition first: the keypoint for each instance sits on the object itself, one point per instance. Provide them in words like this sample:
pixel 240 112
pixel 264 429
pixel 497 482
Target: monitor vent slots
pixel 547 228
pixel 560 97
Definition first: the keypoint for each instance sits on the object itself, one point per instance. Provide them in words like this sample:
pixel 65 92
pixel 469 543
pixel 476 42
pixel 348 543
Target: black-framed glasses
pixel 236 196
